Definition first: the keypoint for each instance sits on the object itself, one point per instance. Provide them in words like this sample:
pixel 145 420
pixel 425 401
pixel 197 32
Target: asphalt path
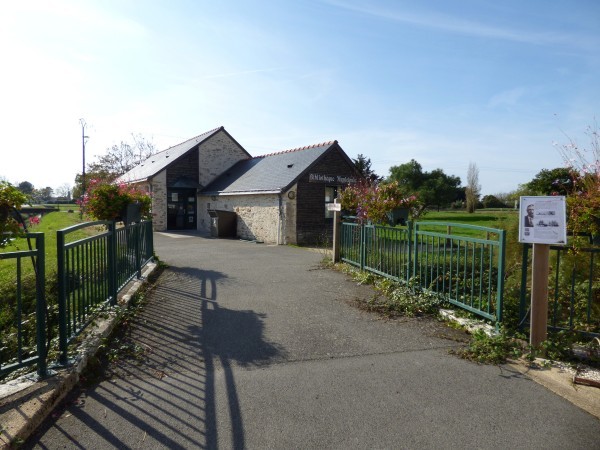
pixel 243 345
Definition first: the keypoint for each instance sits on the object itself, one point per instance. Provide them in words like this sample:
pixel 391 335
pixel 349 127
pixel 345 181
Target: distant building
pixel 278 198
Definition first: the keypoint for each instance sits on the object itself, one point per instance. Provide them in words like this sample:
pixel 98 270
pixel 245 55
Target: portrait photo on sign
pixel 543 220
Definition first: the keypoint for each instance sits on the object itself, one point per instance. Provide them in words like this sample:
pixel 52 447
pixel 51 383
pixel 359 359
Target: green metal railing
pixel 24 344
pixel 573 289
pixel 466 271
pixel 93 270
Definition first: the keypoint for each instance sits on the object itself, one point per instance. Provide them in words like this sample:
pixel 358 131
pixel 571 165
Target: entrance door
pixel 181 209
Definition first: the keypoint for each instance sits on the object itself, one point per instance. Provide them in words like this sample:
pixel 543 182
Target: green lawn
pixel 49 224
pixel 491 218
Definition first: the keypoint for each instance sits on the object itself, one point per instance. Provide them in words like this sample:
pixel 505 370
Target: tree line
pixel 437 190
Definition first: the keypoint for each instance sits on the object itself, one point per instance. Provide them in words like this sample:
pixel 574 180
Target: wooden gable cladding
pixel 311 225
pixel 186 166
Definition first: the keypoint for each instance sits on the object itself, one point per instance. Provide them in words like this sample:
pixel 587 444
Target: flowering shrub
pixel 106 201
pixel 374 202
pixel 10 199
pixel 583 203
pixel 34 220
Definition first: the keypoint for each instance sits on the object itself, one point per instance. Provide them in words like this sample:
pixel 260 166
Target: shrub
pixel 10 199
pixel 106 201
pixel 374 202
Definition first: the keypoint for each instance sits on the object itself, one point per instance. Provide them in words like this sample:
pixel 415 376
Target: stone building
pixel 278 198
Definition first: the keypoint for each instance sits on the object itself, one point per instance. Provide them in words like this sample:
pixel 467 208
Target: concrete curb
pixel 26 402
pixel 560 381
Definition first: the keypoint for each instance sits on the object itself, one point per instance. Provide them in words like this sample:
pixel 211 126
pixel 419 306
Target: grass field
pixel 49 224
pixel 491 218
pixel 483 217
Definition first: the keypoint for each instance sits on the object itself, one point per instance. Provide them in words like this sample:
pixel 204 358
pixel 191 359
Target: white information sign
pixel 543 220
pixel 333 206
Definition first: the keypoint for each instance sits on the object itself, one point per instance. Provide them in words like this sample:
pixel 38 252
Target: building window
pixel 331 193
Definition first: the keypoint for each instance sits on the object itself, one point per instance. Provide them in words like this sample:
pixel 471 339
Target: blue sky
pixel 445 83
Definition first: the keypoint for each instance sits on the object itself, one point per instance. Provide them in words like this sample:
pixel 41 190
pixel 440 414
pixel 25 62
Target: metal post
pixel 500 287
pixel 522 295
pixel 138 257
pixel 363 245
pixel 415 250
pixel 112 262
pixel 62 297
pixel 409 268
pixel 539 294
pixel 42 368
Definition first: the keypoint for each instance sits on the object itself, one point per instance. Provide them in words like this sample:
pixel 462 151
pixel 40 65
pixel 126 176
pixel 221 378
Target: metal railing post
pixel 62 298
pixel 363 245
pixel 415 251
pixel 500 287
pixel 523 291
pixel 112 262
pixel 41 307
pixel 136 248
pixel 409 268
pixel 150 238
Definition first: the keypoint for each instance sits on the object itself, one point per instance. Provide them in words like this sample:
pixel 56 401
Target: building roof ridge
pixel 298 149
pixel 206 133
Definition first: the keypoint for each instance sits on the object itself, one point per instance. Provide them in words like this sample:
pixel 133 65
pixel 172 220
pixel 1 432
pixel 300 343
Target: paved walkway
pixel 253 346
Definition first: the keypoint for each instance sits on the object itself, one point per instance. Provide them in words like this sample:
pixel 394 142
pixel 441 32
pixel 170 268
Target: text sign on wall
pixel 543 220
pixel 330 179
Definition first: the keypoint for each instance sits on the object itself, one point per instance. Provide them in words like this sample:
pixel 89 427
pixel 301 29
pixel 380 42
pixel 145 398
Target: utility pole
pixel 83 138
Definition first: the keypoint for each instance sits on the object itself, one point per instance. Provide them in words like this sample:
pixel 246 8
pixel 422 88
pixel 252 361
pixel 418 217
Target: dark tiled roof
pixel 160 160
pixel 274 172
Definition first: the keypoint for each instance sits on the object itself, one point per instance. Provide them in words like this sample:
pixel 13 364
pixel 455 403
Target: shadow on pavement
pixel 174 359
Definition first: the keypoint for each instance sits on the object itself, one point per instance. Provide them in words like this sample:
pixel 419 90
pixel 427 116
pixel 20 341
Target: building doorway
pixel 181 209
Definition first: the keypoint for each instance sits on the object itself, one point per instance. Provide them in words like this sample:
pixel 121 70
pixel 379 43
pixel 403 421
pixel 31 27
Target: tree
pixel 118 160
pixel 64 191
pixel 43 195
pixel 491 201
pixel 439 189
pixel 433 188
pixel 557 181
pixel 121 158
pixel 25 187
pixel 473 189
pixel 363 165
pixel 408 175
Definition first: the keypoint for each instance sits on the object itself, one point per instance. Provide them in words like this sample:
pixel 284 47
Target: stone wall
pixel 159 201
pixel 218 154
pixel 257 215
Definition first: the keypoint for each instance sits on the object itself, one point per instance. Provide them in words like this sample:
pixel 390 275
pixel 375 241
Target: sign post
pixel 539 295
pixel 336 207
pixel 542 222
